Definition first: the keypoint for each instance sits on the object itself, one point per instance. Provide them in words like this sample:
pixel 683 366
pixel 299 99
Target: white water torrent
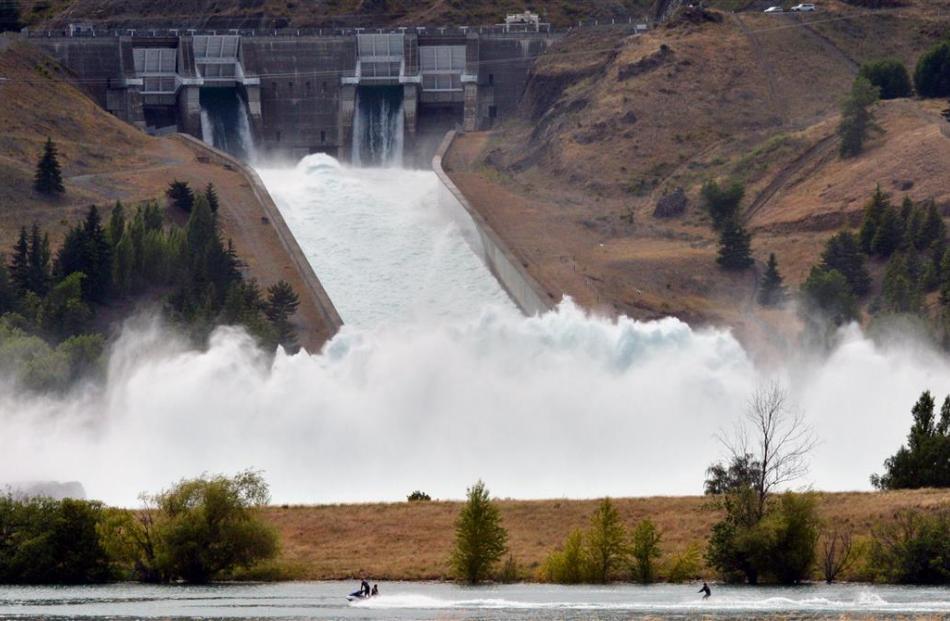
pixel 225 123
pixel 378 128
pixel 380 244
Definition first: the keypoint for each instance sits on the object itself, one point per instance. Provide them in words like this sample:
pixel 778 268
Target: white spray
pixel 561 405
pixel 565 404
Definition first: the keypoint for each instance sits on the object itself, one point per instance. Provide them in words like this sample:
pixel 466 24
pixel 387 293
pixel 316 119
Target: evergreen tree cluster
pixel 911 243
pixel 925 460
pixel 49 303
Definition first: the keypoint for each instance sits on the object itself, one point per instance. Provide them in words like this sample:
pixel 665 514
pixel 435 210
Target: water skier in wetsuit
pixel 364 588
pixel 706 590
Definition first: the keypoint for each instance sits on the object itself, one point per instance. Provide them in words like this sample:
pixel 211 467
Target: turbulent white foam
pixel 559 405
pixel 436 381
pixel 379 243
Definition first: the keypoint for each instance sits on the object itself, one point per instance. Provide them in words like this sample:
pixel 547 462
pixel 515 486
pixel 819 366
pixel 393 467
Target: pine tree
pixel 282 303
pixel 20 263
pixel 932 229
pixel 843 253
pixel 49 177
pixel 772 291
pixel 944 278
pixel 8 293
pixel 873 212
pixel 480 539
pixel 181 196
pixel 211 195
pixel 39 271
pixel 98 258
pixel 889 234
pixel 116 224
pixel 122 265
pixel 856 117
pixel 900 289
pixel 734 247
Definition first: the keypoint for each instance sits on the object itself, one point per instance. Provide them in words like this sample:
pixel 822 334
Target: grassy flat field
pixel 413 541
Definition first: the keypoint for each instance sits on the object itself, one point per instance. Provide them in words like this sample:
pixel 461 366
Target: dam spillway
pixel 380 244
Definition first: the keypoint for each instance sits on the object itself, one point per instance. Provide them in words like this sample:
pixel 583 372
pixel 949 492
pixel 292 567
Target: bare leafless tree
pixel 775 435
pixel 837 552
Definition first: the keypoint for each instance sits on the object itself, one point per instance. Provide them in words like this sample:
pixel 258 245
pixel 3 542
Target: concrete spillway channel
pixel 391 245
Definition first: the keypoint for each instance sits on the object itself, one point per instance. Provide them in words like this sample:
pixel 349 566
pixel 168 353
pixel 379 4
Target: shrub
pixel 207 527
pixel 890 76
pixel 49 541
pixel 418 496
pixel 780 547
pixel 686 565
pixel 480 539
pixel 569 564
pixel 932 75
pixel 914 548
pixel 510 572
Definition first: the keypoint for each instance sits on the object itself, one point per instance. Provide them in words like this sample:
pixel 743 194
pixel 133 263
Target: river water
pixel 423 601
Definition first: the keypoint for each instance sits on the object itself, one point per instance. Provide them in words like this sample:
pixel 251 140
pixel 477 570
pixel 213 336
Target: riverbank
pixel 413 541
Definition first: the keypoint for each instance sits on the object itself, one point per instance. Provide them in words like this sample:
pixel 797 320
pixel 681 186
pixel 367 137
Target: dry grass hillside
pixel 413 541
pixel 612 122
pixel 308 13
pixel 105 160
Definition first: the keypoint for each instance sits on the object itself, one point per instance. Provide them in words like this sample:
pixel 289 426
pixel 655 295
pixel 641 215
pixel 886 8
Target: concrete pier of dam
pixel 301 88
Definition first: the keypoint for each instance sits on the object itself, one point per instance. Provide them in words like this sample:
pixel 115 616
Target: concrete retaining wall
pixel 523 289
pixel 331 318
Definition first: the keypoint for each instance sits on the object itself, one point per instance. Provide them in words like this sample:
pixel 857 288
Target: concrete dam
pixel 288 94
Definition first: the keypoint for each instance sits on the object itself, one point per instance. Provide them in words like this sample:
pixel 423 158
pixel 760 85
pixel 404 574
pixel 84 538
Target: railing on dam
pixel 92 32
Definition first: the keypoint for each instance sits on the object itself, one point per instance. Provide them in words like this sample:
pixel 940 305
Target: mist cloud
pixel 565 404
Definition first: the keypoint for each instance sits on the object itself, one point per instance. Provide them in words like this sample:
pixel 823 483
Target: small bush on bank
pixel 913 549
